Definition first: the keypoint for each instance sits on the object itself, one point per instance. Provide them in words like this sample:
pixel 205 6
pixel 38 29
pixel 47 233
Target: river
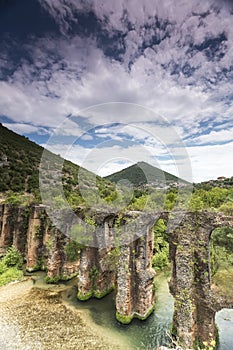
pixel 139 334
pixel 152 332
pixel 99 316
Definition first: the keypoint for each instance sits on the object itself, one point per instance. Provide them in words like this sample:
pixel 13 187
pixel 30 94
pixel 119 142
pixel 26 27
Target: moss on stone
pixel 69 277
pixel 52 280
pixel 100 295
pixel 84 297
pixel 149 312
pixel 124 319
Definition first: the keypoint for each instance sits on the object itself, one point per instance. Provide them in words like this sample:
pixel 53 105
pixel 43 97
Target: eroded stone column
pixel 7 226
pixel 20 229
pixel 124 298
pixel 195 305
pixel 135 278
pixel 97 269
pixel 35 233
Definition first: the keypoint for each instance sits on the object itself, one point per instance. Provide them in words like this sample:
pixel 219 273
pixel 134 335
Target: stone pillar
pixel 96 274
pixel 181 287
pixel 135 279
pixel 124 310
pixel 7 226
pixel 55 256
pixel 87 274
pixel 97 269
pixel 35 233
pixel 20 229
pixel 145 274
pixel 194 314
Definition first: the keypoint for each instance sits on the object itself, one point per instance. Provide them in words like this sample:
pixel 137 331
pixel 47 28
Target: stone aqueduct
pixel 127 265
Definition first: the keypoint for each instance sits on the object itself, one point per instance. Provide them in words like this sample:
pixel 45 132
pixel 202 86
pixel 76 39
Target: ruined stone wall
pixel 135 279
pixel 190 285
pixel 121 256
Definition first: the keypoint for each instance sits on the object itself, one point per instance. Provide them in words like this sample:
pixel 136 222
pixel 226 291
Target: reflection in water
pixel 224 321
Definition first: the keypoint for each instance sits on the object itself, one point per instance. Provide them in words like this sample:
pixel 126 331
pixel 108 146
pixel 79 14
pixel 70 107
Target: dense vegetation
pixel 19 184
pixel 160 260
pixel 142 173
pixel 222 259
pixel 19 165
pixel 11 266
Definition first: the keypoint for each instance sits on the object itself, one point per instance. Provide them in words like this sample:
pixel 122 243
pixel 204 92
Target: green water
pixel 139 334
pixel 143 335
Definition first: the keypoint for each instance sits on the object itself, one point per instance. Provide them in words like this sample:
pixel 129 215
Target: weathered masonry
pixel 119 255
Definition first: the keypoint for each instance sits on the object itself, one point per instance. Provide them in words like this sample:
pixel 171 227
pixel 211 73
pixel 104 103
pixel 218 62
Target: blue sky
pixel 110 83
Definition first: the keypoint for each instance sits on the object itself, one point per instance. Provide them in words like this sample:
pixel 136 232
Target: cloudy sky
pixel 107 83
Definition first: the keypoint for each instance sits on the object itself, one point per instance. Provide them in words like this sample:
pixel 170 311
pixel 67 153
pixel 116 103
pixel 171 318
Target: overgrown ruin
pixel 120 257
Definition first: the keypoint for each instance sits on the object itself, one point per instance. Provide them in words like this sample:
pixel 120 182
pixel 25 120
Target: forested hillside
pixel 143 173
pixel 19 168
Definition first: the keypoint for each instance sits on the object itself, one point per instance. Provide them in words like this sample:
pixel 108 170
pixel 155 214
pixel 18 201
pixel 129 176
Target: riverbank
pixel 38 319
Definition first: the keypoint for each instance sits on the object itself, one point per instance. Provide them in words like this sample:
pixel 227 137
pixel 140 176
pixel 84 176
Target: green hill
pixel 19 169
pixel 143 173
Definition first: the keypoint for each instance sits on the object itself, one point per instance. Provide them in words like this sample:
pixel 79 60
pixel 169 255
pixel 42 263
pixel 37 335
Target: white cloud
pixel 70 74
pixel 209 162
pixel 26 128
pixel 215 137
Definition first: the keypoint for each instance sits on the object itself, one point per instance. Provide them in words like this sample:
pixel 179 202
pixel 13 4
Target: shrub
pixel 160 260
pixel 73 250
pixel 13 258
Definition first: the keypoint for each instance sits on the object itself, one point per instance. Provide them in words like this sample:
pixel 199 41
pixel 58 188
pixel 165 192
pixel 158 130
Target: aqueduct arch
pixel 100 268
pixel 195 302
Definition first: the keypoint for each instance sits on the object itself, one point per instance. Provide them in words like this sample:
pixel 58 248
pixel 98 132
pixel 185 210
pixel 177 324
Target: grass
pixel 10 275
pixel 223 280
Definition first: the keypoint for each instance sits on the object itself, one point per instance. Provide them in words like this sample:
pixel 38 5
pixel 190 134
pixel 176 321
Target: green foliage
pixel 160 258
pixel 223 280
pixel 20 173
pixel 221 249
pixel 170 200
pixel 3 267
pixel 10 275
pixel 93 274
pixel 84 297
pixel 73 250
pixel 142 173
pixel 124 319
pixel 58 202
pixel 13 258
pixel 81 233
pixel 52 280
pixel 9 266
pixel 227 208
pixel 214 197
pixel 100 295
pixel 90 221
pixel 139 203
pixel 196 204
